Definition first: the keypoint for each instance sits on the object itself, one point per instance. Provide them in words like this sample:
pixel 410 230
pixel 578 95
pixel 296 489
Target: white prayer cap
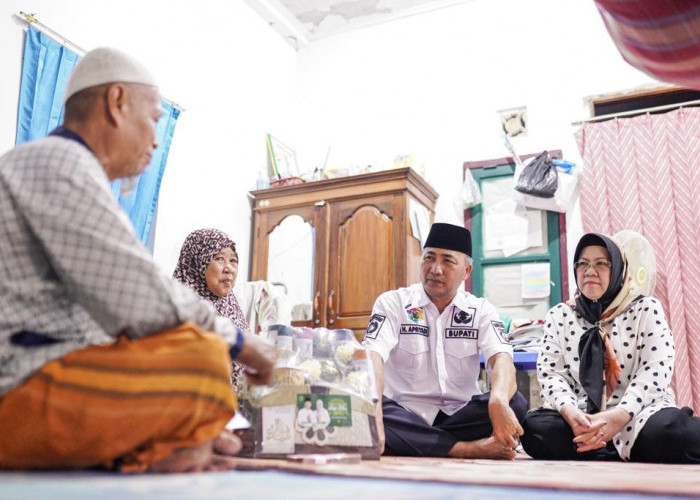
pixel 106 65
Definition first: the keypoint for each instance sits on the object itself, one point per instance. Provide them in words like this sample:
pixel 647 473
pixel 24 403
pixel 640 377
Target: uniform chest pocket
pixel 412 356
pixel 461 355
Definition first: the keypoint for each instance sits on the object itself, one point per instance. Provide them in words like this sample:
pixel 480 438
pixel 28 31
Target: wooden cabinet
pixel 358 232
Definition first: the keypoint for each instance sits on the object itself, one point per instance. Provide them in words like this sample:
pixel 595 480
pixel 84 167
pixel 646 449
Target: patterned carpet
pixel 654 479
pixel 392 478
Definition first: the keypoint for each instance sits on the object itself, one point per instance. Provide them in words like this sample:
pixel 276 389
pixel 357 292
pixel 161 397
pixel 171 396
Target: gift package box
pixel 322 397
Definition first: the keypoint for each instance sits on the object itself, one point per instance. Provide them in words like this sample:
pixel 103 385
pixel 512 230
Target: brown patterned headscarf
pixel 197 251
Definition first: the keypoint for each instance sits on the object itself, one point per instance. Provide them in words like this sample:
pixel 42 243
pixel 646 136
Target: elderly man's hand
pixel 506 427
pixel 258 355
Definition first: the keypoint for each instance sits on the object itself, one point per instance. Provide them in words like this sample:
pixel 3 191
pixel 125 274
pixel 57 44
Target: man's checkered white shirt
pixel 71 268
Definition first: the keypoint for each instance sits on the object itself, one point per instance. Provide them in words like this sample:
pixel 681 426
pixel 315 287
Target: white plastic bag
pixel 470 194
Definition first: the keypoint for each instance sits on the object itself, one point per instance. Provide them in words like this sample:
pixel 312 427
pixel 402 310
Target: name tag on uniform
pixel 415 330
pixel 461 333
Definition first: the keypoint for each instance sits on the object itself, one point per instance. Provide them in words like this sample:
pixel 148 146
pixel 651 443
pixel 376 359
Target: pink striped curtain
pixel 643 173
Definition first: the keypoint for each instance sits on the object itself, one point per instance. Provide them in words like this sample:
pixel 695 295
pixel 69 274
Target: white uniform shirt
pixel 431 360
pixel 643 345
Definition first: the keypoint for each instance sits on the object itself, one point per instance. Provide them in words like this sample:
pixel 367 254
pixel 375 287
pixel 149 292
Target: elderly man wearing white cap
pixel 104 361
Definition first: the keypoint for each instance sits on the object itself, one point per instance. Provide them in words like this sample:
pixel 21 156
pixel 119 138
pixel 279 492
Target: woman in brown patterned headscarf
pixel 208 264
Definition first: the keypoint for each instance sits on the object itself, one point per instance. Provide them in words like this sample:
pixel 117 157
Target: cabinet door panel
pixel 287 251
pixel 361 259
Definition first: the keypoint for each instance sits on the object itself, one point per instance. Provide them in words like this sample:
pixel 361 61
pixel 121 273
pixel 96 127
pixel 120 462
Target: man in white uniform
pixel 425 341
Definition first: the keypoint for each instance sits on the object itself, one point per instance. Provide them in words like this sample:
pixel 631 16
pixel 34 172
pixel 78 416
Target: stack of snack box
pixel 322 397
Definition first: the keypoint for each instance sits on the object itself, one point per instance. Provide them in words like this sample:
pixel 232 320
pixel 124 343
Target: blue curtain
pixel 45 71
pixel 141 203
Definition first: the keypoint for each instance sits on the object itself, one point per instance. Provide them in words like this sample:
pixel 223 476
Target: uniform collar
pixel 461 299
pixel 421 299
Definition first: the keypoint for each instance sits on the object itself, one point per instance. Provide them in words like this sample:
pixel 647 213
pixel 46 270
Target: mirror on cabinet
pixel 290 262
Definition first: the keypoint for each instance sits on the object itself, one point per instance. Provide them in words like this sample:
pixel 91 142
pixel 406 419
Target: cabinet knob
pixel 331 321
pixel 317 313
pixel 329 307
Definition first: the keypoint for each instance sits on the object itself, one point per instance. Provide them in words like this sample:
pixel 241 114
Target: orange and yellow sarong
pixel 126 405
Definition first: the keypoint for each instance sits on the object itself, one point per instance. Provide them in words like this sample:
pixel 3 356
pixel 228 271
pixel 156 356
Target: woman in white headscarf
pixel 605 368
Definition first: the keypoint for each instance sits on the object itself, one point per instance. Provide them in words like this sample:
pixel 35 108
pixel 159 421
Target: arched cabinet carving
pixel 362 245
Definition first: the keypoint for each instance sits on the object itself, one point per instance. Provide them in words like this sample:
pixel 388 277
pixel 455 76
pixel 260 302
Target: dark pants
pixel 407 434
pixel 671 435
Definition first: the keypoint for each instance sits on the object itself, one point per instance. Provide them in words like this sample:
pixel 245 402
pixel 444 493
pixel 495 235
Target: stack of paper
pixel 526 335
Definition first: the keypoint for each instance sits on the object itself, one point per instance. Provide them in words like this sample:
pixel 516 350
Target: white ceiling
pixel 301 22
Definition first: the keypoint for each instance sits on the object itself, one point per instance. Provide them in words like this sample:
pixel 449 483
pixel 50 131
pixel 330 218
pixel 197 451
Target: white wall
pixel 428 84
pixel 219 60
pixel 431 85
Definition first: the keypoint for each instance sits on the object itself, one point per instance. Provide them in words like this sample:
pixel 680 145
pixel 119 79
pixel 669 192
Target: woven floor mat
pixel 575 476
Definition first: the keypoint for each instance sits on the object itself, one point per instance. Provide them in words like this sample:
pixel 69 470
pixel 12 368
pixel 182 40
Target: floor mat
pixel 655 479
pixel 264 484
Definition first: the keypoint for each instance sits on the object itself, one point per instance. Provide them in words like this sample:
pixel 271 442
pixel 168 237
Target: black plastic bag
pixel 539 177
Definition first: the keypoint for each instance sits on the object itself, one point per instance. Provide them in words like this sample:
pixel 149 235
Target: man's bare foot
pixel 210 456
pixel 482 448
pixel 193 459
pixel 227 444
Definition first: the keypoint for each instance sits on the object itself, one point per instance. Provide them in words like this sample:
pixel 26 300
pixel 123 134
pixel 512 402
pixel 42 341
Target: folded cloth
pixel 263 304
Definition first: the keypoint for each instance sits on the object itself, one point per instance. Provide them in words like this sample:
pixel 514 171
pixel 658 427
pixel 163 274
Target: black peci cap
pixel 449 237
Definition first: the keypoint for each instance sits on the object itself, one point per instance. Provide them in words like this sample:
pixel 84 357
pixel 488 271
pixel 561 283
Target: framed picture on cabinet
pixel 282 158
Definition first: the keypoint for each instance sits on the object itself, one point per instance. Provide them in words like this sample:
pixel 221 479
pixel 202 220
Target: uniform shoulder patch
pixel 375 323
pixel 500 331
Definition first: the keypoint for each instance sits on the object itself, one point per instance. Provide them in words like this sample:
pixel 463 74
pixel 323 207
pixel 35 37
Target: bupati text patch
pixel 461 333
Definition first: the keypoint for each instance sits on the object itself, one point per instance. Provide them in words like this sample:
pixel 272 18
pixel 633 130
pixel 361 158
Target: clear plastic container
pixel 283 337
pixel 343 344
pixel 359 377
pixel 304 343
pixel 322 343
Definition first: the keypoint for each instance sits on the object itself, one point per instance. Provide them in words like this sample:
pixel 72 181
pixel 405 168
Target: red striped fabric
pixel 643 173
pixel 659 37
